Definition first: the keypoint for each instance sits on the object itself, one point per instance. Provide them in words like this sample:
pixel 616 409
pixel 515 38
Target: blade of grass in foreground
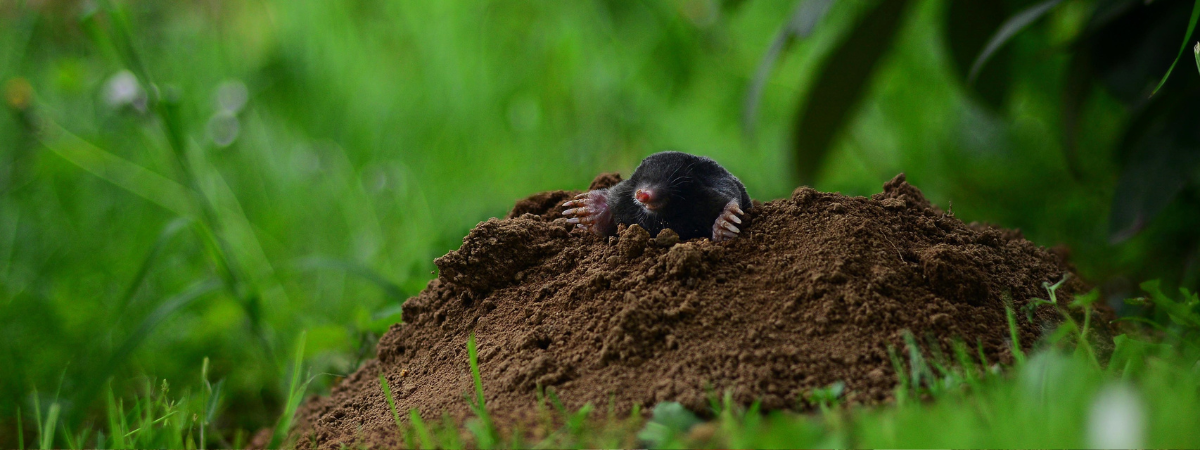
pixel 387 395
pixel 47 433
pixel 295 394
pixel 414 417
pixel 485 433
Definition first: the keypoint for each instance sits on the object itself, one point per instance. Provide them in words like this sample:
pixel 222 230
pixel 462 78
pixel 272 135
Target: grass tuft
pixel 295 394
pixel 485 432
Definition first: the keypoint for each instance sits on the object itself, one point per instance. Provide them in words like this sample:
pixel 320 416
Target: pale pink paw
pixel 589 211
pixel 725 228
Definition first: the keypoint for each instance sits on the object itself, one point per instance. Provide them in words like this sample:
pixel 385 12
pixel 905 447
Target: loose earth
pixel 814 292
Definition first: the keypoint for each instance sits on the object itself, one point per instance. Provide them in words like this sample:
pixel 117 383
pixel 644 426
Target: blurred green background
pixel 206 179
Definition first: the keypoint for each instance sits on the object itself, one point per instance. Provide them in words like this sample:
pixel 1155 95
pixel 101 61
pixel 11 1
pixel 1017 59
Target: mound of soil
pixel 813 292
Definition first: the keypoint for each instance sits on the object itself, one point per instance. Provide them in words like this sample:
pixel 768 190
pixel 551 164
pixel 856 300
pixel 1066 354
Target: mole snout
pixel 692 195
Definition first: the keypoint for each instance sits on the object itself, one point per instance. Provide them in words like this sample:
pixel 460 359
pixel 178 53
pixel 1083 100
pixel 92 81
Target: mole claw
pixel 735 219
pixel 730 227
pixel 573 220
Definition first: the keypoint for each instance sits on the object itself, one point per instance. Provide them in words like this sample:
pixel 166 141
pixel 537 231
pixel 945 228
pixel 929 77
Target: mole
pixel 692 195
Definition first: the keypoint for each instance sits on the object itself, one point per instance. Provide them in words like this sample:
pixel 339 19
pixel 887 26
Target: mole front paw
pixel 724 228
pixel 589 211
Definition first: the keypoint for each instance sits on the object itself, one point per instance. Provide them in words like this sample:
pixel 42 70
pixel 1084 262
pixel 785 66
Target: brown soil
pixel 813 292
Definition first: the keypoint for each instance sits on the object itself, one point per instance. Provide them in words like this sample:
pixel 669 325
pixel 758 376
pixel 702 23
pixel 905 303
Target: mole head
pixel 660 178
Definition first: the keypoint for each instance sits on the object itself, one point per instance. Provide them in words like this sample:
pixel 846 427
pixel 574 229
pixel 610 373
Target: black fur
pixel 695 188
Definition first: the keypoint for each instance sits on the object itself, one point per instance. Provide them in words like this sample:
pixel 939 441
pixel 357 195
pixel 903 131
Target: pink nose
pixel 643 196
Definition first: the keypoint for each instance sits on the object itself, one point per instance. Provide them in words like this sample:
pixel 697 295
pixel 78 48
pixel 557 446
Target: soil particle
pixel 815 290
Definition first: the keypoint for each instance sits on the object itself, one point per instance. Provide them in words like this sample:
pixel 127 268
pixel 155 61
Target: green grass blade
pixel 1018 355
pixel 1010 28
pixel 418 425
pixel 20 431
pixel 116 170
pixel 487 433
pixel 387 395
pixel 114 419
pixel 1186 38
pixel 295 394
pixel 168 233
pixel 47 433
pixel 68 437
pixel 37 411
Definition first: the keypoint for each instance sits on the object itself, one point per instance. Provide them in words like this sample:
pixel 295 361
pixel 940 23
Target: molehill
pixel 813 292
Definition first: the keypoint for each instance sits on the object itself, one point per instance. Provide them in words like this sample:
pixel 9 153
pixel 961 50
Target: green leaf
pixel 1010 28
pixel 669 419
pixel 1161 158
pixel 968 25
pixel 1085 300
pixel 1179 313
pixel 1186 37
pixel 841 85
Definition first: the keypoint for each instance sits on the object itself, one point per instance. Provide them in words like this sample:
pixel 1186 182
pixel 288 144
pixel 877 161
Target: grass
pixel 1145 396
pixel 137 243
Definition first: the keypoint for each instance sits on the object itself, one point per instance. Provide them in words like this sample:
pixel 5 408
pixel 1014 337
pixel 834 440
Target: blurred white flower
pixel 122 89
pixel 1117 419
pixel 223 128
pixel 232 96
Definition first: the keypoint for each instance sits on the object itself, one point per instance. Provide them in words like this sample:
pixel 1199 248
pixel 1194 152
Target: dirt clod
pixel 813 292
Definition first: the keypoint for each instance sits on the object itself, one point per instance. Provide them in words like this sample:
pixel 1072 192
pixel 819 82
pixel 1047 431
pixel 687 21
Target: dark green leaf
pixel 841 86
pixel 969 24
pixel 1187 37
pixel 1075 93
pixel 1010 28
pixel 1130 42
pixel 1162 154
